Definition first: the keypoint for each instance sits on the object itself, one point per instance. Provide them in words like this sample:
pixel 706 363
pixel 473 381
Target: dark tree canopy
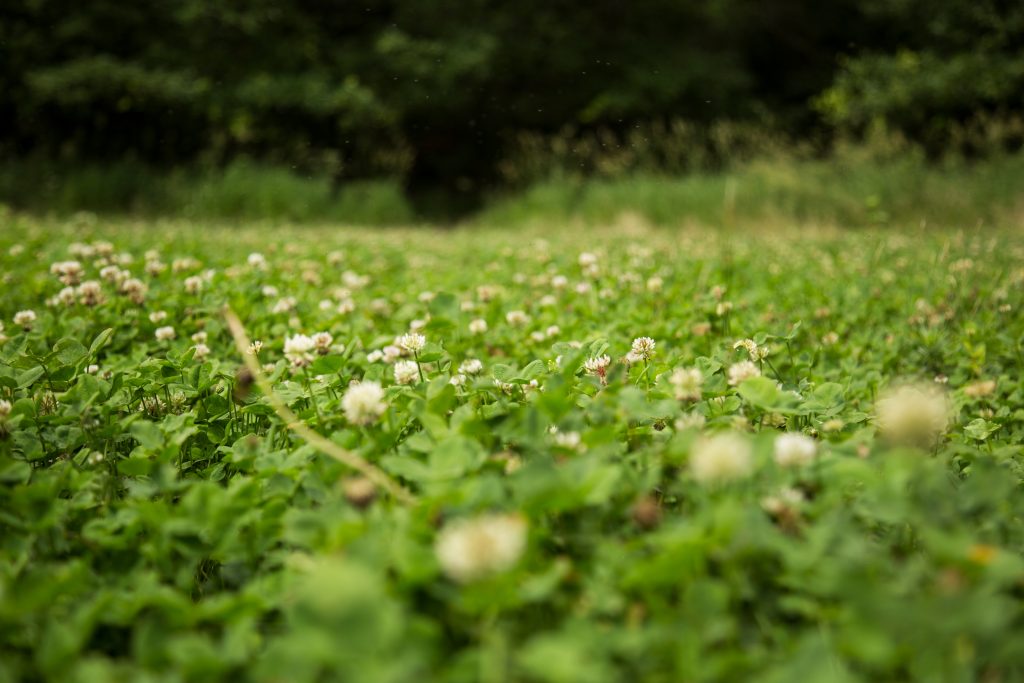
pixel 430 91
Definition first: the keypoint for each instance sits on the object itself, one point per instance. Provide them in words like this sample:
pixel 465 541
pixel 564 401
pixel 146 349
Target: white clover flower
pixel 753 350
pixel 135 289
pixel 68 272
pixel 686 384
pixel 597 365
pixel 793 449
pixel 257 261
pixel 587 259
pixel 470 549
pixel 5 408
pixel 202 351
pixel 284 305
pixel 255 348
pixel 517 318
pixel 406 372
pixel 913 415
pixel 345 306
pixel 457 380
pixel 786 499
pixel 559 282
pixel 568 440
pixel 552 330
pixel 426 297
pixel 164 333
pixel 269 291
pixel 486 293
pixel 478 326
pixel 981 388
pixel 374 356
pixel 90 293
pixel 655 284
pixel 744 370
pixel 537 336
pixel 112 274
pixel 471 366
pixel 298 350
pixel 643 348
pixel 391 353
pixel 322 342
pixel 412 342
pixel 691 420
pixel 547 301
pixel 583 287
pixel 200 337
pixel 363 403
pixel 157 317
pixel 722 308
pixel 193 284
pixel 354 280
pixel 724 457
pixel 25 319
pixel 67 296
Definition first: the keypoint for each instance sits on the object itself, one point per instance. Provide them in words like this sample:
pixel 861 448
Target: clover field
pixel 554 455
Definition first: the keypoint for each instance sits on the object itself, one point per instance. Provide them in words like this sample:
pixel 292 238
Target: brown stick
pixel 292 421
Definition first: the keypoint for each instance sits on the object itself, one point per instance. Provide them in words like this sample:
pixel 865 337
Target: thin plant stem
pixel 292 422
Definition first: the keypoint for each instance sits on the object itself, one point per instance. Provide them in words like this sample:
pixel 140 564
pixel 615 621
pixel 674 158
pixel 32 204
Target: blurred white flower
pixel 193 284
pixel 25 319
pixel 913 415
pixel 322 342
pixel 793 449
pixel 164 333
pixel 471 366
pixel 686 384
pixel 517 318
pixel 363 403
pixel 90 293
pixel 724 457
pixel 68 272
pixel 470 549
pixel 298 349
pixel 406 372
pixel 744 370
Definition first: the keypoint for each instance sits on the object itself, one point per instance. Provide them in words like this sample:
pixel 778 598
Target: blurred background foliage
pixel 445 103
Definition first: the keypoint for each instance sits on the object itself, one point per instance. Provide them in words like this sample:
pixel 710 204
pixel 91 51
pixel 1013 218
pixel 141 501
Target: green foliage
pixel 158 521
pixel 888 185
pixel 955 60
pixel 242 190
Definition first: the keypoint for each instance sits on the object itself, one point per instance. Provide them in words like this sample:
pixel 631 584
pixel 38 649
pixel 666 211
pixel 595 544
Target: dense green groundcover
pixel 573 520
